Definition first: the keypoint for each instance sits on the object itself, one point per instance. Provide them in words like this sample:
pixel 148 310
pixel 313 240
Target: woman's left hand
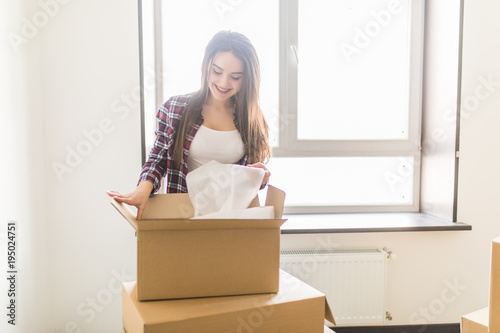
pixel 262 166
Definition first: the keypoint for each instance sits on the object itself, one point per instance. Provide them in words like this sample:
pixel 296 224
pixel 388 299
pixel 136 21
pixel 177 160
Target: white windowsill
pixel 367 222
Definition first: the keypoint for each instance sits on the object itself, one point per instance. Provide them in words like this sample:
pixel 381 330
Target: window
pixel 341 90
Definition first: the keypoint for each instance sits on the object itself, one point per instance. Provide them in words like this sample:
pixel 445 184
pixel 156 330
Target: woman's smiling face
pixel 225 76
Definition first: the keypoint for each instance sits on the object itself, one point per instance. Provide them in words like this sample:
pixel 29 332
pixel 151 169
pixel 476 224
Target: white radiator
pixel 353 280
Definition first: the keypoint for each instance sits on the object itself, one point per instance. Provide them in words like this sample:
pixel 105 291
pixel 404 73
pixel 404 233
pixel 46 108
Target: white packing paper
pixel 254 213
pixel 227 189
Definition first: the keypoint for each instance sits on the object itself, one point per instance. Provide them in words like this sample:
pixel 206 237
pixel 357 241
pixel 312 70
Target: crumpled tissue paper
pixel 224 191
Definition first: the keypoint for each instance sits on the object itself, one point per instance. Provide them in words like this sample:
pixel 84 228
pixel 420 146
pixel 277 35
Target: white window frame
pixel 290 146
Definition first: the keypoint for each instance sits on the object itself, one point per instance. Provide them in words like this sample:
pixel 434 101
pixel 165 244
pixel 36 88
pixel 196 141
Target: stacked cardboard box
pixel 487 319
pixel 185 266
pixel 297 307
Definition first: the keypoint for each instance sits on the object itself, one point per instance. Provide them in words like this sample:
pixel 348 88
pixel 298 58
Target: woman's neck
pixel 219 105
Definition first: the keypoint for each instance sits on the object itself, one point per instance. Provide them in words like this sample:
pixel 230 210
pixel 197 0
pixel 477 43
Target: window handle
pixel 294 49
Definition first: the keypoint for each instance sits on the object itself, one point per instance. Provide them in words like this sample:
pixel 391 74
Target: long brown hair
pixel 251 122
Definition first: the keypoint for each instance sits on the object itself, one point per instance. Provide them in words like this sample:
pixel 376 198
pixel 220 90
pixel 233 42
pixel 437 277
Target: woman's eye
pixel 217 73
pixel 236 78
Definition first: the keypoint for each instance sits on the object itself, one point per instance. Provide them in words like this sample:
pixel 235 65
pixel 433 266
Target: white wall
pixel 22 161
pixel 479 183
pixel 90 56
pixel 72 76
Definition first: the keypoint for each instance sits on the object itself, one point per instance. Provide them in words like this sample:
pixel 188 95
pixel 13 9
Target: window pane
pixel 327 181
pixel 353 71
pixel 187 27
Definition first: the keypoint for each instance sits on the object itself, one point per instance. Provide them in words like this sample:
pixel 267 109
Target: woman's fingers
pixel 266 176
pixel 137 198
pixel 140 210
pixel 267 173
pixel 113 193
pixel 125 198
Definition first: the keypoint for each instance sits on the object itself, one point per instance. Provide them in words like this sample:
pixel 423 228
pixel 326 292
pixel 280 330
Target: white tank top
pixel 208 144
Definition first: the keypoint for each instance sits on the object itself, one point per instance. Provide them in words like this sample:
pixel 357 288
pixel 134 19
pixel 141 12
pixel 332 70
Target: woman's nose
pixel 225 82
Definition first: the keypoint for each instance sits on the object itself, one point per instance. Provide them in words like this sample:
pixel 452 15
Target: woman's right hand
pixel 138 198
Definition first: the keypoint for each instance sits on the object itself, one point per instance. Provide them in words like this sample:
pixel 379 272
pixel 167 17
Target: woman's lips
pixel 221 91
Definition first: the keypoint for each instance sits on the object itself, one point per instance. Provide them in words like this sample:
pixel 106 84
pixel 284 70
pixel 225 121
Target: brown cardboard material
pixel 475 322
pixel 297 307
pixel 494 312
pixel 182 258
pixel 326 330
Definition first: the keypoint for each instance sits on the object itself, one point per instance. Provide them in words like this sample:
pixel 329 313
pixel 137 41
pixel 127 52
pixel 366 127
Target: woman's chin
pixel 221 97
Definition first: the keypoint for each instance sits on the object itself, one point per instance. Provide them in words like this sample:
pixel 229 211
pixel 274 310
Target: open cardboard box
pixel 297 307
pixel 487 319
pixel 182 258
pixel 475 322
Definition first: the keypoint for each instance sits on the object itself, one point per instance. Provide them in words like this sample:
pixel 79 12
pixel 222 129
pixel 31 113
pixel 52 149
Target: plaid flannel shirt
pixel 160 162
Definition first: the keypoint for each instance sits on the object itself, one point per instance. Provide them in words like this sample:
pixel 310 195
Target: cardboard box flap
pixel 255 203
pixel 275 197
pixel 193 224
pixel 168 206
pixel 126 213
pixel 328 313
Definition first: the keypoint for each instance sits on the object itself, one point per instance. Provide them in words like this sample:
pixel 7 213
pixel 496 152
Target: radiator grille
pixel 354 280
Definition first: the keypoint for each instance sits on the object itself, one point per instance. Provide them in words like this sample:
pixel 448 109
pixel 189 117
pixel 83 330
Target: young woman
pixel 221 121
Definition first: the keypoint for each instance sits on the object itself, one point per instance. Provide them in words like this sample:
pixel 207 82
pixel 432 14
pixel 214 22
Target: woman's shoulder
pixel 173 108
pixel 178 101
